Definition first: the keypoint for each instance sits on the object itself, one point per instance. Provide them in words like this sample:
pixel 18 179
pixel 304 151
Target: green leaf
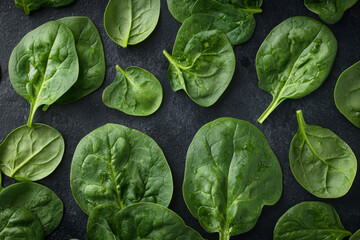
pixel 89 48
pixel 230 174
pixel 310 220
pixel 39 200
pixel 20 223
pixel 31 5
pixel 202 62
pixel 130 22
pixel 355 236
pixel 31 153
pixel 347 94
pixel 330 11
pixel 118 165
pixel 294 60
pixel 44 65
pixel 140 221
pixel 321 162
pixel 135 91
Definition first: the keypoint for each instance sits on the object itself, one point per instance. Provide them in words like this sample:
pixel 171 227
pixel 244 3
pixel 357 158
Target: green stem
pixel 31 116
pixel 275 102
pixel 225 235
pixel 300 119
pixel 45 108
pixel 254 11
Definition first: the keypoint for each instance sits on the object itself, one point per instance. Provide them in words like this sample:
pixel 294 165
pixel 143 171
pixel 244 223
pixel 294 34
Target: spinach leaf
pixel 230 174
pixel 294 60
pixel 238 25
pixel 31 5
pixel 135 91
pixel 330 11
pixel 347 94
pixel 44 65
pixel 90 51
pixel 118 165
pixel 180 9
pixel 310 220
pixel 252 6
pixel 203 62
pixel 20 223
pixel 130 22
pixel 321 162
pixel 355 236
pixel 31 153
pixel 39 200
pixel 140 221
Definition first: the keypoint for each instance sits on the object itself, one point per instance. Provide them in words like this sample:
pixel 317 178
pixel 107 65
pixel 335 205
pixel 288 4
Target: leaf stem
pixel 275 102
pixel 254 10
pixel 300 119
pixel 224 235
pixel 31 116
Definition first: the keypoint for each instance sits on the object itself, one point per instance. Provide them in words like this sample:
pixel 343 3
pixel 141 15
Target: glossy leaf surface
pixel 31 5
pixel 310 220
pixel 230 174
pixel 294 60
pixel 39 200
pixel 135 91
pixel 129 22
pixel 118 165
pixel 347 94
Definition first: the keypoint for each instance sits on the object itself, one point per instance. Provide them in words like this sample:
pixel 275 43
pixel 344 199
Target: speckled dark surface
pixel 176 122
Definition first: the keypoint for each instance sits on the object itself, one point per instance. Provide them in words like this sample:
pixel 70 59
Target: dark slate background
pixel 176 122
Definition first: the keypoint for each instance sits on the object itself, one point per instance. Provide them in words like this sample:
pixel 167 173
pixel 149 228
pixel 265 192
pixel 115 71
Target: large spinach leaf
pixel 135 91
pixel 90 51
pixel 310 220
pixel 44 65
pixel 321 162
pixel 31 153
pixel 230 174
pixel 139 221
pixel 347 94
pixel 330 11
pixel 129 22
pixel 31 5
pixel 20 223
pixel 39 200
pixel 294 60
pixel 118 165
pixel 238 25
pixel 202 62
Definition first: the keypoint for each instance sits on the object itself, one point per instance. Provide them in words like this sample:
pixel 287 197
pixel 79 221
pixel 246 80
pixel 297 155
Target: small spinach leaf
pixel 118 165
pixel 238 26
pixel 90 51
pixel 130 22
pixel 31 5
pixel 202 62
pixel 230 174
pixel 39 200
pixel 321 162
pixel 140 221
pixel 180 9
pixel 31 153
pixel 355 236
pixel 20 223
pixel 44 65
pixel 330 11
pixel 135 91
pixel 310 220
pixel 347 94
pixel 294 60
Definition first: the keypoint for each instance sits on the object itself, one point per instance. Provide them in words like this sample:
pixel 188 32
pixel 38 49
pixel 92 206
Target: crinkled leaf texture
pixel 310 220
pixel 118 165
pixel 20 223
pixel 330 11
pixel 129 22
pixel 31 153
pixel 89 48
pixel 230 174
pixel 294 60
pixel 146 221
pixel 202 62
pixel 321 161
pixel 135 91
pixel 44 65
pixel 31 5
pixel 39 200
pixel 347 94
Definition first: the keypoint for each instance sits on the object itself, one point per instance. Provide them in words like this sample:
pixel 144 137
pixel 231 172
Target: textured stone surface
pixel 176 122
